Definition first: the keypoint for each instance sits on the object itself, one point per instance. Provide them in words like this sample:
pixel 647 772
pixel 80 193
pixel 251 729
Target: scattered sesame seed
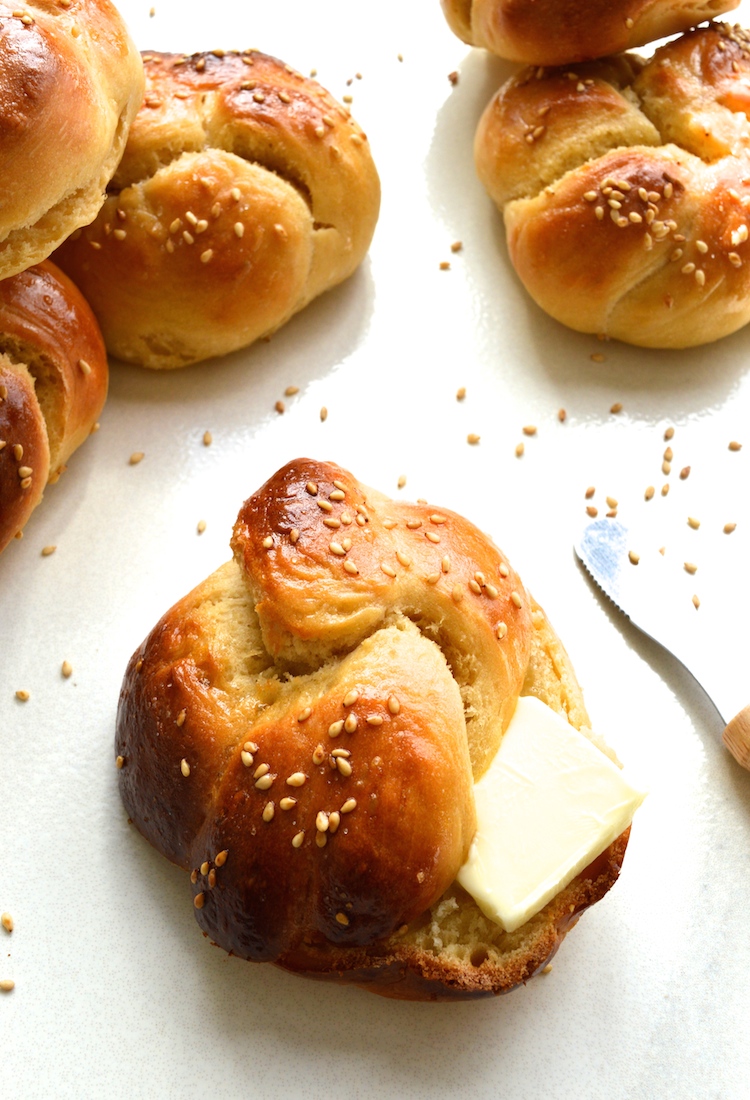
pixel 611 502
pixel 265 781
pixel 201 527
pixel 199 900
pixel 735 446
pixel 136 457
pixel 444 265
pixel 18 451
pixel 298 838
pixel 520 448
pixel 501 630
pixel 457 593
pixel 296 779
pixel 247 758
pixel 729 527
pixel 279 406
pixel 592 511
pixel 180 719
pixel 294 535
pixel 350 567
pixel 403 559
pixel 7 985
pixel 696 602
pixel 668 454
pixel 204 867
pixel 119 762
pixel 7 922
pixel 633 557
pixel 23 695
pixel 394 706
pixel 335 728
pixel 665 490
pixel 401 481
pixel 47 550
pixel 473 438
pixel 351 697
pixel 268 811
pixel 503 569
pixel 66 669
pixel 324 413
pixel 350 724
pixel 374 720
pixel 616 408
pixel 184 767
pixel 666 467
pixel 690 567
pixel 648 495
pixel 342 917
pixel 684 473
pixel 261 770
pixel 529 429
pixel 694 523
pixel 516 599
pixel 221 858
pixel 288 803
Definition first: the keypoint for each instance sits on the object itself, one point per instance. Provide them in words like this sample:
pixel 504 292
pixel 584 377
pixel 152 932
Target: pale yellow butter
pixel 550 803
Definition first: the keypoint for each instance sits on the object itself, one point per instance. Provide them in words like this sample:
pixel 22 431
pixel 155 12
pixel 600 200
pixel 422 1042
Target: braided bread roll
pixel 303 730
pixel 244 192
pixel 71 81
pixel 53 384
pixel 625 189
pixel 562 32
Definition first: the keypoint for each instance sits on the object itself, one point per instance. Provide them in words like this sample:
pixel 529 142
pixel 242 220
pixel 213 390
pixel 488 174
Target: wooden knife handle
pixel 736 737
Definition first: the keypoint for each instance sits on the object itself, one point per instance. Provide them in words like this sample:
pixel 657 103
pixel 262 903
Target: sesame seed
pixel 432 536
pixel 611 502
pixel 267 542
pixel 120 762
pixel 207 439
pixel 351 697
pixel 491 591
pixel 445 564
pixel 321 822
pixel 136 457
pixel 690 567
pixel 515 599
pixel 700 277
pixel 337 548
pixel 204 867
pixel 529 429
pixel 7 985
pixel 25 483
pixel 388 569
pixel 268 811
pixel 212 878
pixel 324 505
pixel 701 246
pixel 664 490
pixel 298 838
pixel 501 630
pixel 287 803
pixel 648 495
pixel 264 782
pixel 349 805
pixel 321 840
pixel 17 452
pixel 66 669
pixel 350 567
pixel 394 706
pixel 729 527
pixel 472 438
pixel 312 488
pixel 457 593
pixel 247 758
pixel 377 720
pixel 262 769
pixel 7 922
pixel 294 535
pixel 475 587
pixel 694 523
pixel 633 557
pixel 589 492
pixel 403 559
pixel 23 695
pixel 334 819
pixel 616 408
pixel 221 858
pixel 187 237
pixel 47 550
pixel 520 449
pixel 413 524
pixel 324 413
pixel 735 446
pixel 199 900
pixel 592 511
pixel 337 494
pixel 461 393
pixel 335 728
pixel 562 415
pixel 296 779
pixel 684 473
pixel 696 602
pixel 332 522
pixel 342 917
pixel 201 526
pixel 346 519
pixel 350 724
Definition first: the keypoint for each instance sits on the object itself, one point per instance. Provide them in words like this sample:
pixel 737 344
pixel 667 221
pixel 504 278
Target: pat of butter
pixel 550 803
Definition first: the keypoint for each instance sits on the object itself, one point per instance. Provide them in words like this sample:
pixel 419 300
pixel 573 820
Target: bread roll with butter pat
pixel 304 731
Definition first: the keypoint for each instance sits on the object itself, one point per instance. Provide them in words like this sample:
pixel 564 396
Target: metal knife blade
pixel 654 598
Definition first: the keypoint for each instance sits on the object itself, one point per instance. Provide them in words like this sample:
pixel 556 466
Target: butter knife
pixel 652 596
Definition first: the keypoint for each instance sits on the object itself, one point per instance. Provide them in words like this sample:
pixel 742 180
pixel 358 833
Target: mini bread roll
pixel 561 32
pixel 71 81
pixel 625 187
pixel 53 384
pixel 302 733
pixel 244 192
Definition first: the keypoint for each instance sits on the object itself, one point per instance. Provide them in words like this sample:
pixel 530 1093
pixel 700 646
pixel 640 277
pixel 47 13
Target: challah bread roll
pixel 303 730
pixel 625 189
pixel 563 32
pixel 53 384
pixel 71 81
pixel 244 192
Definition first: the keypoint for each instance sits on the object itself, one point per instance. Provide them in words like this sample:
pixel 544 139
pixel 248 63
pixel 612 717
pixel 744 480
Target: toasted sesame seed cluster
pixel 71 81
pixel 302 733
pixel 625 188
pixel 53 384
pixel 563 32
pixel 245 191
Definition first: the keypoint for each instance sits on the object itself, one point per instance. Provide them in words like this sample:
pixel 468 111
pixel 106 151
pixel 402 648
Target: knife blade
pixel 653 597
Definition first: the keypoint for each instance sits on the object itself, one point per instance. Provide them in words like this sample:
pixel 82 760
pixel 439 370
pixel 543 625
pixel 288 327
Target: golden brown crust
pixel 244 192
pixel 54 374
pixel 562 32
pixel 70 84
pixel 625 187
pixel 301 737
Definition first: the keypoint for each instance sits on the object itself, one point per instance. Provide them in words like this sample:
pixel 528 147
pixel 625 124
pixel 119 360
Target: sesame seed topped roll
pixel 245 191
pixel 71 81
pixel 302 733
pixel 53 384
pixel 561 32
pixel 625 189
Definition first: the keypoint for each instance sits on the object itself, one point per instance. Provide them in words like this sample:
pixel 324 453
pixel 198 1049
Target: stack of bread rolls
pixel 71 82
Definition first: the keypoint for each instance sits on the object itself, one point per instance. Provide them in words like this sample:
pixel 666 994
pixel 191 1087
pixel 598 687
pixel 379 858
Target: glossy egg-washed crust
pixel 625 189
pixel 71 81
pixel 564 32
pixel 53 384
pixel 303 730
pixel 245 191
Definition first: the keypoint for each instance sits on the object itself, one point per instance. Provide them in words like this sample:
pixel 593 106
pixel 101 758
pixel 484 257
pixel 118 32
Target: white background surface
pixel 117 993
